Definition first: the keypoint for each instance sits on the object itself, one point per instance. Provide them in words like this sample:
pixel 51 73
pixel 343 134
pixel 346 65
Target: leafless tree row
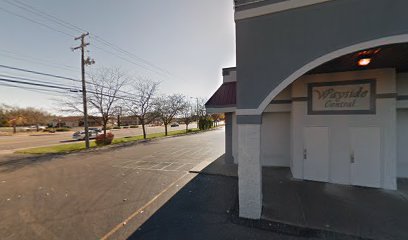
pixel 110 89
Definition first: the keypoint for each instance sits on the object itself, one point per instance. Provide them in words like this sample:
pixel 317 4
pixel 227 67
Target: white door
pixel 316 154
pixel 365 156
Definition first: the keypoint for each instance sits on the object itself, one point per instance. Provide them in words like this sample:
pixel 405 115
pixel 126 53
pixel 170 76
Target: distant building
pixel 128 121
pixel 75 121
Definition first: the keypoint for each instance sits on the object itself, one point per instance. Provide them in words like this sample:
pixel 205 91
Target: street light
pixel 196 108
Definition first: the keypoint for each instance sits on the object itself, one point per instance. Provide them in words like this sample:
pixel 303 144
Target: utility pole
pixel 84 62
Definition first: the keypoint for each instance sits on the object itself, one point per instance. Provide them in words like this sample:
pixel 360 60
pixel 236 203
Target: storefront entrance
pixel 364 158
pixel 344 128
pixel 316 154
pixel 365 155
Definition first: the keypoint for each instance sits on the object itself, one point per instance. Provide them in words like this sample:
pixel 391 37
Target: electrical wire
pixel 34 62
pixel 36 84
pixel 27 7
pixel 36 22
pixel 54 76
pixel 70 89
pixel 29 79
pixel 48 61
pixel 38 73
pixel 42 91
pixel 124 59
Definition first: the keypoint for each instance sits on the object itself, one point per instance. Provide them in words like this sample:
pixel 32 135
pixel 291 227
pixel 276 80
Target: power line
pixel 49 17
pixel 36 22
pixel 34 82
pixel 54 76
pixel 37 90
pixel 35 62
pixel 38 73
pixel 30 79
pixel 125 59
pixel 48 61
pixel 109 44
pixel 26 7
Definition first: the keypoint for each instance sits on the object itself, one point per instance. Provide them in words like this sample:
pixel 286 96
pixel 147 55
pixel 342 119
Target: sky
pixel 184 44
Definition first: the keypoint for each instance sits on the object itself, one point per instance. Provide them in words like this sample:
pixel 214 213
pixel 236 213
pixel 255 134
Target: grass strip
pixel 73 147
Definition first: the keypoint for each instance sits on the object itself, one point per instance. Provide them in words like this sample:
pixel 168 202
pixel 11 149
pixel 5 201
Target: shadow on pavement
pixel 70 141
pixel 202 209
pixel 16 161
pixel 207 208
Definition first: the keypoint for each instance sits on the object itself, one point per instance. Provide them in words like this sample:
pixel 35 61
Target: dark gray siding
pixel 228 139
pixel 248 4
pixel 272 47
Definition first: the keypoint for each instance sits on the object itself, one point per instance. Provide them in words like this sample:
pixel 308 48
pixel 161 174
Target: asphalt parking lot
pixel 100 193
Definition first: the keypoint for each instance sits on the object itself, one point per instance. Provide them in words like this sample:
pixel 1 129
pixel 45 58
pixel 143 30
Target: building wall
pixel 402 139
pixel 234 138
pixel 228 139
pixel 284 119
pixel 275 140
pixel 266 45
pixel 402 125
pixel 339 126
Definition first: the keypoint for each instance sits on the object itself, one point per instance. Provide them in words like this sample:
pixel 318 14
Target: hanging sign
pixel 345 97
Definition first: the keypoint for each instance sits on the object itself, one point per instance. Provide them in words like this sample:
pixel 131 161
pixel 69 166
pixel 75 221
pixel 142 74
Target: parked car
pixel 80 135
pixel 34 128
pixel 174 124
pixel 95 129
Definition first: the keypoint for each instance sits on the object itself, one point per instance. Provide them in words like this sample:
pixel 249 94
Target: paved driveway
pixel 99 193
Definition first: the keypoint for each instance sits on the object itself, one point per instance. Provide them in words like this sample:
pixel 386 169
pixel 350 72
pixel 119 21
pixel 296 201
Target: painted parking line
pixel 140 210
pixel 157 166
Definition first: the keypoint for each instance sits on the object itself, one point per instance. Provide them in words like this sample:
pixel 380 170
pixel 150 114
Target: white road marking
pixel 148 165
pixel 140 210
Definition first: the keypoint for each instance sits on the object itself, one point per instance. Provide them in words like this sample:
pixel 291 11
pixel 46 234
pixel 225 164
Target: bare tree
pixel 142 104
pixel 104 92
pixel 187 113
pixel 168 107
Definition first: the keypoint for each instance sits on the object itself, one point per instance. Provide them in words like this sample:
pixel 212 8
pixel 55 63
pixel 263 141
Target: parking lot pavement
pixel 8 144
pixel 201 210
pixel 88 195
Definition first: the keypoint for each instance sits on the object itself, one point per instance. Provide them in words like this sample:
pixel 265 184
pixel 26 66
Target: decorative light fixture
pixel 366 57
pixel 364 61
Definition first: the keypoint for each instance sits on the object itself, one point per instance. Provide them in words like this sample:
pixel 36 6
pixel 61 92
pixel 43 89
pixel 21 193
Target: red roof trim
pixel 225 96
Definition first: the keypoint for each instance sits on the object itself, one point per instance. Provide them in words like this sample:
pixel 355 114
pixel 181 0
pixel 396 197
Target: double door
pixel 364 155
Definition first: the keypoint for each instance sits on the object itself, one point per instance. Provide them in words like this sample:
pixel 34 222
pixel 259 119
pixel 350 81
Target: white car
pixel 80 135
pixel 34 128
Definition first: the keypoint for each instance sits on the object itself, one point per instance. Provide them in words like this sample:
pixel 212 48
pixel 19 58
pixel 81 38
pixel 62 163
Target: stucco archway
pixel 321 60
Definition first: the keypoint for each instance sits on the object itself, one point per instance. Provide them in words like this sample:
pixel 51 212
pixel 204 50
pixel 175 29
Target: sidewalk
pixel 368 213
pixel 206 208
pixel 202 211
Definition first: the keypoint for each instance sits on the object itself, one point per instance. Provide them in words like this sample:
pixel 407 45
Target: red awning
pixel 225 96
